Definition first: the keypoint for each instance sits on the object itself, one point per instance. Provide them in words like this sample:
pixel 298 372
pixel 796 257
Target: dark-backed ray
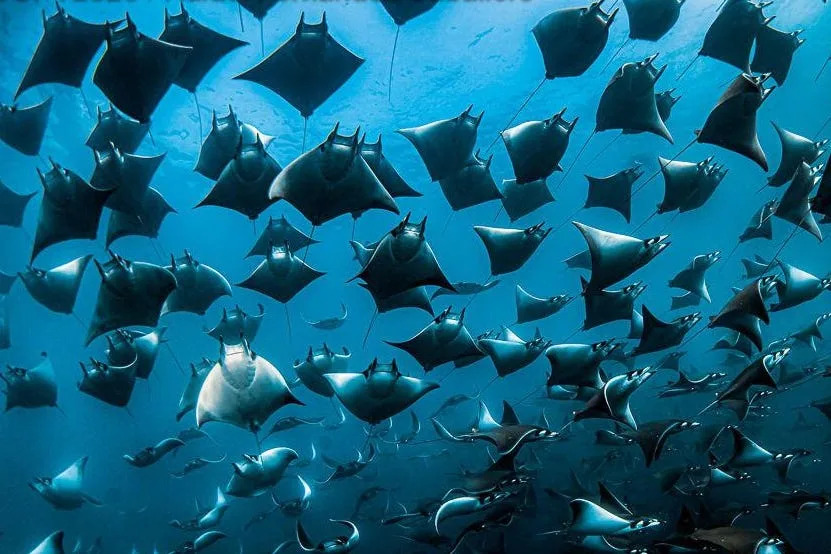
pixel 330 180
pixel 613 192
pixel 131 293
pixel 651 19
pixel 113 128
pixel 795 150
pixel 281 275
pixel 207 46
pixel 605 306
pixel 197 286
pixel 774 52
pixel 136 70
pixel 579 364
pixel 56 288
pixel 571 39
pixel 23 128
pixel 318 363
pixel 244 183
pixel 280 231
pixel 13 206
pixel 658 335
pixel 612 400
pixel 519 200
pixel 394 184
pixel 128 176
pixel 730 38
pixel 687 185
pixel 732 122
pixel 65 50
pixel 509 249
pixel 70 208
pixel 471 185
pixel 445 339
pixel 629 102
pixel 31 388
pixel 745 310
pixel 445 146
pixel 692 278
pixel 510 353
pixel 536 147
pixel 306 69
pixel 760 225
pixel 532 308
pixel 146 223
pixel 236 324
pixel 223 142
pixel 108 383
pixel 126 346
pixel 402 261
pixel 797 286
pixel 795 204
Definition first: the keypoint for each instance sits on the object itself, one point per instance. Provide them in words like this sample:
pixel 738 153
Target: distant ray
pixel 281 275
pixel 23 128
pixel 136 70
pixel 280 231
pixel 613 192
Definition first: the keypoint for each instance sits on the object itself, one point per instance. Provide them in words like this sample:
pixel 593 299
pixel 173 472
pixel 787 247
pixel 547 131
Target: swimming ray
pixel 223 142
pixel 236 325
pixel 519 200
pixel 113 128
pixel 280 231
pixel 190 395
pixel 13 206
pixel 537 147
pixel 128 176
pixel 146 223
pixel 312 370
pixel 56 288
pixel 128 346
pixel 795 150
pixel 31 388
pixel 774 52
pixel 472 185
pixel 795 204
pixel 23 128
pixel 389 178
pixel 445 339
pixel 687 185
pixel 613 192
pixel 605 306
pixel 651 19
pixel 281 275
pixel 111 384
pixel 70 208
pixel 197 286
pixel 731 36
pixel 658 335
pixel 509 249
pixel 532 308
pixel 131 293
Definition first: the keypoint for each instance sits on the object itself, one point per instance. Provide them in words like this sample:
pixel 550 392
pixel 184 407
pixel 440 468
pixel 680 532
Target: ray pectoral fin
pixel 92 500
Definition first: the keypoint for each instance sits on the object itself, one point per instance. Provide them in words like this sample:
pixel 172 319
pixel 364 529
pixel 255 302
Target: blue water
pixel 459 53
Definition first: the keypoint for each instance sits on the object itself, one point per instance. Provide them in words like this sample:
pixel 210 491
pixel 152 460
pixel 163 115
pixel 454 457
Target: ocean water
pixel 457 54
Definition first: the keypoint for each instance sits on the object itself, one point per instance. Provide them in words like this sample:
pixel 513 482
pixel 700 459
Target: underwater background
pixel 457 54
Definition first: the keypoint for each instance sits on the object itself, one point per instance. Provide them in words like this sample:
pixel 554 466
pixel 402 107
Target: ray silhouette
pixel 111 384
pixel 236 324
pixel 731 36
pixel 31 388
pixel 614 257
pixel 445 339
pixel 13 206
pixel 472 185
pixel 612 400
pixel 732 122
pixel 146 223
pixel 795 150
pixel 56 288
pixel 307 69
pixel 70 208
pixel 126 346
pixel 401 261
pixel 280 231
pixel 198 286
pixel 312 370
pixel 687 185
pixel 613 192
pixel 207 46
pixel 379 392
pixel 281 275
pixel 659 335
pixel 23 128
pixel 795 204
pixel 796 287
pixel 330 180
pixel 445 146
pixel 131 293
pixel 606 306
pixel 244 183
pixel 510 353
pixel 519 200
pixel 136 70
pixel 774 52
pixel 651 19
pixel 536 148
pixel 385 172
pixel 692 277
pixel 760 225
pixel 533 308
pixel 113 128
pixel 579 364
pixel 65 50
pixel 745 310
pixel 128 176
pixel 223 142
pixel 509 249
pixel 242 389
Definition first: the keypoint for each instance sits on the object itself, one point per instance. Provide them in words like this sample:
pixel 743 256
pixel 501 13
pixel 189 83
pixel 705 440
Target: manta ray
pixel 445 339
pixel 197 286
pixel 64 491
